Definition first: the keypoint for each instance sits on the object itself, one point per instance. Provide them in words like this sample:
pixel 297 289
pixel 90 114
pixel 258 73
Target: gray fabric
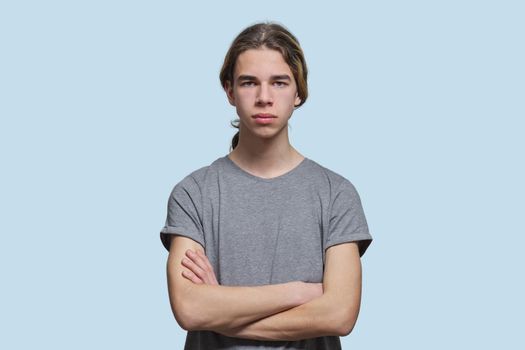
pixel 258 231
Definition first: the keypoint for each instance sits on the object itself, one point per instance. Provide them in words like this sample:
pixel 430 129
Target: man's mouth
pixel 264 115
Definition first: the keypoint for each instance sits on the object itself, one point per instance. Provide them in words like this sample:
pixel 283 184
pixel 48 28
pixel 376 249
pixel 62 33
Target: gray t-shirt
pixel 259 231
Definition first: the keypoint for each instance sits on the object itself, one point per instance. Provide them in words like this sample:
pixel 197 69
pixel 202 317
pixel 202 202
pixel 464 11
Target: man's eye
pixel 280 83
pixel 247 83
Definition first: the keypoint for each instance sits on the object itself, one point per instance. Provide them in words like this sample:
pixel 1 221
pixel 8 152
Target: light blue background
pixel 105 105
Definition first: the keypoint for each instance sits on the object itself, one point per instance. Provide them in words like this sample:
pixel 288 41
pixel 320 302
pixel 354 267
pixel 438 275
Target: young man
pixel 265 243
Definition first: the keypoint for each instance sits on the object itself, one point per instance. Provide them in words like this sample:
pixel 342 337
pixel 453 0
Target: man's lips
pixel 264 115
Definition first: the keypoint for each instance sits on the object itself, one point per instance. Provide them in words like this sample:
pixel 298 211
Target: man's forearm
pixel 223 307
pixel 319 317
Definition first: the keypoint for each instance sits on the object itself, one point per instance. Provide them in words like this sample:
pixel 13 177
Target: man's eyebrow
pixel 273 77
pixel 281 77
pixel 246 77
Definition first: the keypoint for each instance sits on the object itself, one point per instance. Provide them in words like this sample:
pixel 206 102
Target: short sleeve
pixel 347 219
pixel 184 214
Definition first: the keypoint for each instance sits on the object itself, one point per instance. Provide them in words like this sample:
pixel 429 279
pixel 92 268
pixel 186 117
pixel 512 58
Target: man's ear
pixel 228 88
pixel 297 99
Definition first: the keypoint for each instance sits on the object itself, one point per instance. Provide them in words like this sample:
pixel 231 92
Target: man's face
pixel 263 83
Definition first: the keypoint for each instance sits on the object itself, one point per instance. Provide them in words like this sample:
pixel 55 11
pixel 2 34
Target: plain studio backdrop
pixel 106 105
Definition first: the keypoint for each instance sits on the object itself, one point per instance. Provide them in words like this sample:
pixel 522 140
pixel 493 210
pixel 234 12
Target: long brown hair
pixel 273 36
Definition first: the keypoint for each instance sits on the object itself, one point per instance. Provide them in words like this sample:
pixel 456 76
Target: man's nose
pixel 264 95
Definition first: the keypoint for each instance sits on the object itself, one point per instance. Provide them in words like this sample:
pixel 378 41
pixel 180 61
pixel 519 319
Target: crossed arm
pixel 289 311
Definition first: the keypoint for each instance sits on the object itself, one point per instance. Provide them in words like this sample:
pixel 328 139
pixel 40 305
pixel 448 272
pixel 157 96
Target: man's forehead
pixel 257 60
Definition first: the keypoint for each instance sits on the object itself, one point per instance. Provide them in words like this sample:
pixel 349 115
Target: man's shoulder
pixel 200 175
pixel 332 177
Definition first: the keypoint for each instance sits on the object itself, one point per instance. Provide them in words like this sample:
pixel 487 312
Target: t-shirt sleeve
pixel 347 219
pixel 184 214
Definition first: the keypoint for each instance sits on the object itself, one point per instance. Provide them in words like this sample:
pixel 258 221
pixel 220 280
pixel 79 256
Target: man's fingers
pixel 191 276
pixel 197 259
pixel 193 267
pixel 211 273
pixel 199 265
pixel 205 259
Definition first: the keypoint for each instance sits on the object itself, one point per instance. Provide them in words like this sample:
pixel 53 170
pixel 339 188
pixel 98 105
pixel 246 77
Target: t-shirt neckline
pixel 262 179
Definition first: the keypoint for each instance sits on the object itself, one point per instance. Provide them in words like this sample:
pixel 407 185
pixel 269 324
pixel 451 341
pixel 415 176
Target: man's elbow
pixel 183 319
pixel 347 321
pixel 185 313
pixel 346 328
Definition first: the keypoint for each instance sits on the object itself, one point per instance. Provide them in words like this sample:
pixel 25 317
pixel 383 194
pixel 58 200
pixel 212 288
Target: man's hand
pixel 201 270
